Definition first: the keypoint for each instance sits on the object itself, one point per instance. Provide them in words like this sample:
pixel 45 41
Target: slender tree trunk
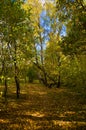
pixel 17 86
pixel 5 89
pixel 17 81
pixel 16 72
pixel 59 82
pixel 59 74
pixel 41 45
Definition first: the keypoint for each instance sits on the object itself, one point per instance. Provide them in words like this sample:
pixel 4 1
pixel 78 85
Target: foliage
pixel 75 41
pixel 49 36
pixel 14 37
pixel 43 42
pixel 32 74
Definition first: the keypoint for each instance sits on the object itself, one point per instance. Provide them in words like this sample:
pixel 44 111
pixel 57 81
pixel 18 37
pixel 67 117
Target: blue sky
pixel 45 22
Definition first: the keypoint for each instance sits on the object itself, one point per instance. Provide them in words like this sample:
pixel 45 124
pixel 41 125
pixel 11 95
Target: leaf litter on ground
pixel 41 108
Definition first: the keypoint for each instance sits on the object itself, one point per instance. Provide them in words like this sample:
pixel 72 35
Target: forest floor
pixel 41 108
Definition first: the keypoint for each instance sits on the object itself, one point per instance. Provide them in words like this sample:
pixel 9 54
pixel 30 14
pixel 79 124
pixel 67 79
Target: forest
pixel 42 64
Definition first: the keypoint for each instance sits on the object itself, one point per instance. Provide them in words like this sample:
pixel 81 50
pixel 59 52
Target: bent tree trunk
pixel 17 86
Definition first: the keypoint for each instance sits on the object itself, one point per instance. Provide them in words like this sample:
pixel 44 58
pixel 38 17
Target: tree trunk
pixel 17 86
pixel 59 74
pixel 59 82
pixel 16 72
pixel 5 89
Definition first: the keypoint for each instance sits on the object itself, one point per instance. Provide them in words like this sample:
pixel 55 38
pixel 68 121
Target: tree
pixel 38 36
pixel 74 42
pixel 15 27
pixel 46 27
pixel 72 14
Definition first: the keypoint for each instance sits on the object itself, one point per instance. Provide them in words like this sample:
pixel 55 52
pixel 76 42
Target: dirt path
pixel 40 108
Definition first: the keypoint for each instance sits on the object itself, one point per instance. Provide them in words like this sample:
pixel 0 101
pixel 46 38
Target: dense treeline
pixel 43 42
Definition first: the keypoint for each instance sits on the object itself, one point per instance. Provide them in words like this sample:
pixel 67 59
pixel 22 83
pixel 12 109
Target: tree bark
pixel 16 72
pixel 5 89
pixel 59 74
pixel 59 82
pixel 17 86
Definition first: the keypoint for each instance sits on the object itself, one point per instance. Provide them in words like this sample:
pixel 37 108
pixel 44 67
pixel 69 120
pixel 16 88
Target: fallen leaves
pixel 41 108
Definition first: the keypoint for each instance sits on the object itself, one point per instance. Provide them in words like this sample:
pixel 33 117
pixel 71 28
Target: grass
pixel 41 108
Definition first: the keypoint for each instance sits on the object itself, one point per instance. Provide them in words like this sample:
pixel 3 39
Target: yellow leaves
pixel 84 1
pixel 36 34
pixel 36 9
pixel 25 39
pixel 25 6
pixel 51 9
pixel 35 6
pixel 4 121
pixel 10 35
pixel 37 114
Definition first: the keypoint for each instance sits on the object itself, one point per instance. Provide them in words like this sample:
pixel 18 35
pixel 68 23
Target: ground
pixel 41 108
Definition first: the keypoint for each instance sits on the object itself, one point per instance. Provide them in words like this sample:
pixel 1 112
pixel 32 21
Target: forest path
pixel 41 108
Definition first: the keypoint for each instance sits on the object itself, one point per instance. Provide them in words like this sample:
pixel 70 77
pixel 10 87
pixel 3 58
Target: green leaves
pixel 15 26
pixel 30 32
pixel 75 26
